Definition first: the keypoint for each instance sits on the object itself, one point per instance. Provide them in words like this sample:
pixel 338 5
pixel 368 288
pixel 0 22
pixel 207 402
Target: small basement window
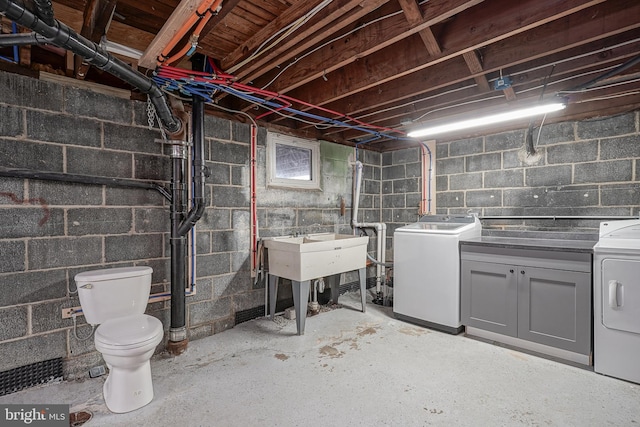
pixel 292 162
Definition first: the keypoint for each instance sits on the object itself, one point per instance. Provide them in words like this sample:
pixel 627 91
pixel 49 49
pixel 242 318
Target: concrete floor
pixel 355 369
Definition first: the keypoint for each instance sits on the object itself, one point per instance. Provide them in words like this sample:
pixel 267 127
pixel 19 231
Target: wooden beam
pixel 384 69
pixel 475 66
pixel 372 39
pixel 337 15
pixel 413 14
pixel 180 15
pixel 97 17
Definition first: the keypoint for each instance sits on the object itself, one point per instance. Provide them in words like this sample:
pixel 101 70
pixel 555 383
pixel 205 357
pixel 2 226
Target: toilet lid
pixel 129 331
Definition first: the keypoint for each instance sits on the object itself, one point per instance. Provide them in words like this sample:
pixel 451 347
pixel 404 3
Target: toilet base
pixel 128 389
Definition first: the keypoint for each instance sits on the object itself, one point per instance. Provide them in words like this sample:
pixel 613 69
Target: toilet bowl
pixel 126 345
pixel 115 299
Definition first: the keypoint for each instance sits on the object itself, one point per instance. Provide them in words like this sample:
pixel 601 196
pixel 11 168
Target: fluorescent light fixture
pixel 488 120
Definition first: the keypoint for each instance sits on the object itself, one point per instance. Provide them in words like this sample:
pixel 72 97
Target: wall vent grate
pixel 31 375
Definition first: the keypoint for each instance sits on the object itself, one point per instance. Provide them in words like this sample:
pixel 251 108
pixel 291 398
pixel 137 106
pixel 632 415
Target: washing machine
pixel 616 280
pixel 426 270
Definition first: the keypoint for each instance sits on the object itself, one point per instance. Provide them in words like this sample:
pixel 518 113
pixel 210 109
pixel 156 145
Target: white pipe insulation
pixel 380 227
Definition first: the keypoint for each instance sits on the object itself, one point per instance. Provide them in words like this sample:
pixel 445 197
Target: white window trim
pixel 313 146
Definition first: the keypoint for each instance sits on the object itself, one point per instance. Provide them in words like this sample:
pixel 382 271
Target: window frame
pixel 274 139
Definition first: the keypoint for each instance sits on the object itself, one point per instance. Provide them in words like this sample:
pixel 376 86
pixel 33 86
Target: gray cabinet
pixel 533 295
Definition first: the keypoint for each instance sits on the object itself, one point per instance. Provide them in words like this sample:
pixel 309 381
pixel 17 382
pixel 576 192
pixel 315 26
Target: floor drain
pixel 78 418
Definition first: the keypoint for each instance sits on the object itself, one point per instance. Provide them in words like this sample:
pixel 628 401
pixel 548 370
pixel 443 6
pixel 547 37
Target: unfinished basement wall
pixel 587 168
pixel 50 231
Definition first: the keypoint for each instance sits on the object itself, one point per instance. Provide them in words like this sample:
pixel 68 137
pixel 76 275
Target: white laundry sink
pixel 315 255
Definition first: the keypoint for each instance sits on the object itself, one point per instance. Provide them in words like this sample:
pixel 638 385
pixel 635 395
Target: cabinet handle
pixel 511 271
pixel 521 271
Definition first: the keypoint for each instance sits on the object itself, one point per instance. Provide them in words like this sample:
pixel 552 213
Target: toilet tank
pixel 114 292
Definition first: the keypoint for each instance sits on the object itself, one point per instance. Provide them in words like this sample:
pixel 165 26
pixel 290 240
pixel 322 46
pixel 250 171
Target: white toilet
pixel 116 299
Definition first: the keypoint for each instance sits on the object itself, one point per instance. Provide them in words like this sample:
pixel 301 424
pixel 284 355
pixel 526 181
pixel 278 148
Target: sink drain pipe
pixel 381 232
pixel 60 35
pixel 182 223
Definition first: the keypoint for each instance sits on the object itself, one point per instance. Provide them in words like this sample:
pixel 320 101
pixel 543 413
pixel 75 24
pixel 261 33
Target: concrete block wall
pixel 587 168
pixel 51 231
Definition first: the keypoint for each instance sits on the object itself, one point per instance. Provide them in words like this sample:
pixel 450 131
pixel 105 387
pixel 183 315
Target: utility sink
pixel 315 255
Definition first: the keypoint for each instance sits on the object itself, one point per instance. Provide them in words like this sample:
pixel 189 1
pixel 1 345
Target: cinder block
pixel 504 178
pixel 132 138
pixel 30 155
pixel 372 158
pixel 465 146
pixel 215 219
pixel 308 217
pixel 12 189
pixel 620 195
pixel 27 287
pixel 240 175
pixel 47 316
pixel 14 322
pixel 482 198
pixel 450 199
pixel 620 148
pixel 63 129
pixel 409 185
pixel 450 166
pixel 29 92
pixel 215 127
pixel 548 175
pixel 482 162
pixel 511 160
pixel 32 222
pixel 609 171
pixel 209 311
pixel 465 181
pixel 240 219
pixel 606 127
pixel 230 240
pixel 413 199
pixel 576 152
pixel 373 187
pixel 137 246
pixel 98 221
pixel 442 183
pixel 280 218
pixel 11 123
pixel 241 262
pixel 65 251
pixel 63 193
pixel 220 173
pixel 408 155
pixel 504 141
pixel 82 102
pixel 414 170
pixel 525 197
pixel 554 133
pixel 240 132
pixel 98 162
pixel 34 349
pixel 442 150
pixel 213 264
pixel 405 216
pixel 393 172
pixel 393 201
pixel 116 196
pixel 13 256
pixel 154 168
pixel 224 196
pixel 387 158
pixel 228 152
pixel 150 220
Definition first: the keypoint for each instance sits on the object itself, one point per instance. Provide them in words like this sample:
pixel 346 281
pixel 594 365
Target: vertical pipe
pixel 177 333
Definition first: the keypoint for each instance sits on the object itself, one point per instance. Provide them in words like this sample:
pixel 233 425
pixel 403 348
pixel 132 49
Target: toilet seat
pixel 128 333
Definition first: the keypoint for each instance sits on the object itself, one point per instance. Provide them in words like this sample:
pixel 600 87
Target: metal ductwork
pixel 62 36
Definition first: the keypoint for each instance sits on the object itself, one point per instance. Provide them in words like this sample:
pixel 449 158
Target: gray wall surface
pixel 50 231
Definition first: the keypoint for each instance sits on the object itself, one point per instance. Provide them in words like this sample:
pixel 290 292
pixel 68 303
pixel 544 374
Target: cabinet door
pixel 489 297
pixel 554 308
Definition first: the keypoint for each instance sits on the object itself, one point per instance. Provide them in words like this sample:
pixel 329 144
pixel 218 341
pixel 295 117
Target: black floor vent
pixel 27 376
pixel 249 314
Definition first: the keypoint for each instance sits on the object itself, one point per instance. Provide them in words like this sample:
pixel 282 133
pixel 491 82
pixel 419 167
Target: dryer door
pixel 621 294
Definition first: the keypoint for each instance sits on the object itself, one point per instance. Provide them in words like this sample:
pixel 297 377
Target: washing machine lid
pixel 622 234
pixel 129 331
pixel 442 224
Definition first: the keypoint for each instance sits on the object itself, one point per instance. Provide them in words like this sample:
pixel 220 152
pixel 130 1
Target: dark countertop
pixel 566 245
